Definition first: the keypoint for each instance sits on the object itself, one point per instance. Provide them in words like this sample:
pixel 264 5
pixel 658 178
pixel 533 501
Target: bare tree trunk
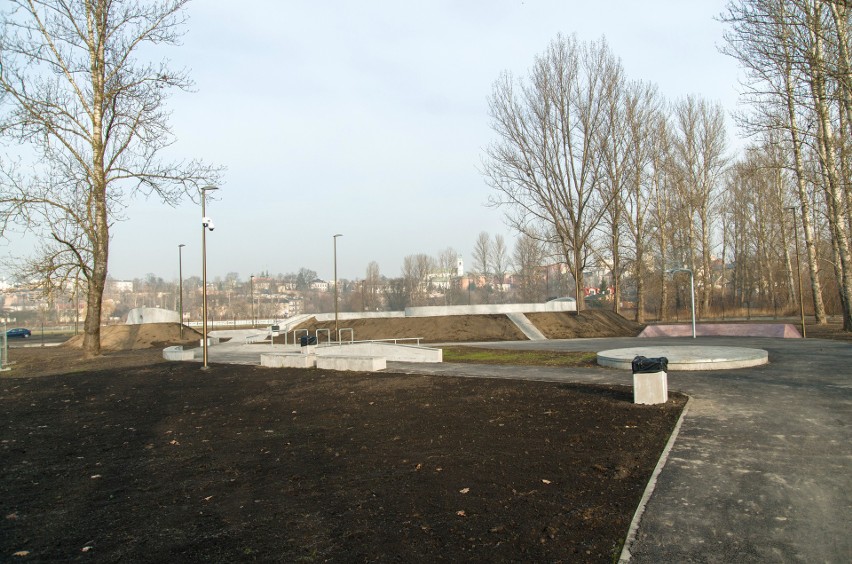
pixel 804 202
pixel 616 269
pixel 826 149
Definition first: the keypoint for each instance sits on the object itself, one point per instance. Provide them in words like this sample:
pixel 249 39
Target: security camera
pixel 211 227
pixel 208 223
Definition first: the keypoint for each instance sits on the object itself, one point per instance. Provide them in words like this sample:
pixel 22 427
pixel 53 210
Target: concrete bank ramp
pixel 526 326
pixel 776 330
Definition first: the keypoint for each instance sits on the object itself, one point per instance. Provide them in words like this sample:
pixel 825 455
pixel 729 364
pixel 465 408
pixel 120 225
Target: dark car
pixel 19 332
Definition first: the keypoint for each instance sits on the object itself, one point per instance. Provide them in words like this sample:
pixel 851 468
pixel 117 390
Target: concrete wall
pixel 435 311
pixel 485 309
pixel 343 315
pixel 152 315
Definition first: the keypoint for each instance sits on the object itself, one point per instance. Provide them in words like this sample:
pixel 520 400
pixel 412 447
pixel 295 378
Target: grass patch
pixel 476 355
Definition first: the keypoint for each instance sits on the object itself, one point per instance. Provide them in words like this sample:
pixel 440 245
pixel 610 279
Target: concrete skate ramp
pixel 526 327
pixel 776 330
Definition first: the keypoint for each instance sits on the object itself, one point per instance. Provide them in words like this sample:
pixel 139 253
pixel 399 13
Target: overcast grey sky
pixel 369 119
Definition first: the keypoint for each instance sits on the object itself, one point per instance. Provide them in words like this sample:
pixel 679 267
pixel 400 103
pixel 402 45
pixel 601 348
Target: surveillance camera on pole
pixel 208 223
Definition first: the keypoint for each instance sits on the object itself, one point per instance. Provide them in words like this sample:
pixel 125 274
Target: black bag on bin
pixel 642 365
pixel 307 340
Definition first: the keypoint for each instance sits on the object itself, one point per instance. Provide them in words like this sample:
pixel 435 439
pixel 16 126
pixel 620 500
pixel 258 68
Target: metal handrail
pixel 394 341
pixel 327 334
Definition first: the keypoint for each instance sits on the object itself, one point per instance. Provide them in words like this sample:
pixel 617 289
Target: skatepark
pixel 758 468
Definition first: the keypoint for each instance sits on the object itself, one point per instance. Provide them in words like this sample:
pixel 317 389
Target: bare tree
pixel 529 258
pixel 372 286
pixel 796 55
pixel 482 254
pixel 415 275
pixel 499 261
pixel 615 154
pixel 447 264
pixel 699 162
pixel 662 205
pixel 643 110
pixel 76 96
pixel 544 166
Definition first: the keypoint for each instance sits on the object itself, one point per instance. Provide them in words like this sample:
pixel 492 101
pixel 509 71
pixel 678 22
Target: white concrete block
pixel 650 389
pixel 210 341
pixel 288 360
pixel 177 353
pixel 356 363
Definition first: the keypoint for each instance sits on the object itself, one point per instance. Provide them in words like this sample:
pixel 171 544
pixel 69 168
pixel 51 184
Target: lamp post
pixel 798 270
pixel 336 328
pixel 691 292
pixel 251 285
pixel 76 303
pixel 180 286
pixel 206 224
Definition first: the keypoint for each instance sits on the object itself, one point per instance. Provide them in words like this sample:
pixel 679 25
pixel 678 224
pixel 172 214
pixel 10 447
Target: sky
pixel 370 119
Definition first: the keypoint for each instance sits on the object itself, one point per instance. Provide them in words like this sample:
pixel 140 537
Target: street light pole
pixel 691 292
pixel 336 327
pixel 251 284
pixel 205 224
pixel 799 270
pixel 180 286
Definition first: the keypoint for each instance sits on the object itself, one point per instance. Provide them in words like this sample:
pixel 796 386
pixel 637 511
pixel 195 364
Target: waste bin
pixel 307 340
pixel 650 381
pixel 643 365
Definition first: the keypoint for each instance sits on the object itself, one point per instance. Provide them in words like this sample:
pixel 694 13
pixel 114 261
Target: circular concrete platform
pixel 687 357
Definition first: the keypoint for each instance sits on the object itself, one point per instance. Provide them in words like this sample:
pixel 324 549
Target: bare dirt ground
pixel 145 336
pixel 166 463
pixel 584 324
pixel 498 327
pixel 127 457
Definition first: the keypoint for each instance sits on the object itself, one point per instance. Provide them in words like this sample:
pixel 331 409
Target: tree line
pixel 598 168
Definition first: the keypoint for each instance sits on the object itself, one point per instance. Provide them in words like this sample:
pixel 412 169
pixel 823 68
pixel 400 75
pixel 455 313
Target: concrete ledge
pixel 210 341
pixel 389 351
pixel 356 363
pixel 651 388
pixel 288 360
pixel 177 353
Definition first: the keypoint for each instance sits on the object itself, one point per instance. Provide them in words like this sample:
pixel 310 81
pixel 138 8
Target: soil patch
pixel 584 324
pixel 142 336
pixel 496 327
pixel 165 463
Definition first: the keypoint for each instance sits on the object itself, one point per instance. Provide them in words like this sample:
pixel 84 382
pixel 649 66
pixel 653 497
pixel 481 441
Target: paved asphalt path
pixel 762 468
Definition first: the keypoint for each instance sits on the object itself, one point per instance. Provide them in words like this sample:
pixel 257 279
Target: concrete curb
pixel 649 489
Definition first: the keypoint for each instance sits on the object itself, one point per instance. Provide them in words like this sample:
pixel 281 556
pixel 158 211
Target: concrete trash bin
pixel 650 381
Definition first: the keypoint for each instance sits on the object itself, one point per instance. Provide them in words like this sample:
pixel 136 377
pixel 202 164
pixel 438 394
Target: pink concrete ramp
pixel 777 330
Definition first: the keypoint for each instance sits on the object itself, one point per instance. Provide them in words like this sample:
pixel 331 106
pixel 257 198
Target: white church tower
pixel 459 266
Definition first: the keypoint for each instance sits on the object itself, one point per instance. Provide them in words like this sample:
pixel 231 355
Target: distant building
pixel 320 285
pixel 119 286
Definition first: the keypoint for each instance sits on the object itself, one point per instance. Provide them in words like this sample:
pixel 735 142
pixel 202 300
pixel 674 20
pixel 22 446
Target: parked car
pixel 19 332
